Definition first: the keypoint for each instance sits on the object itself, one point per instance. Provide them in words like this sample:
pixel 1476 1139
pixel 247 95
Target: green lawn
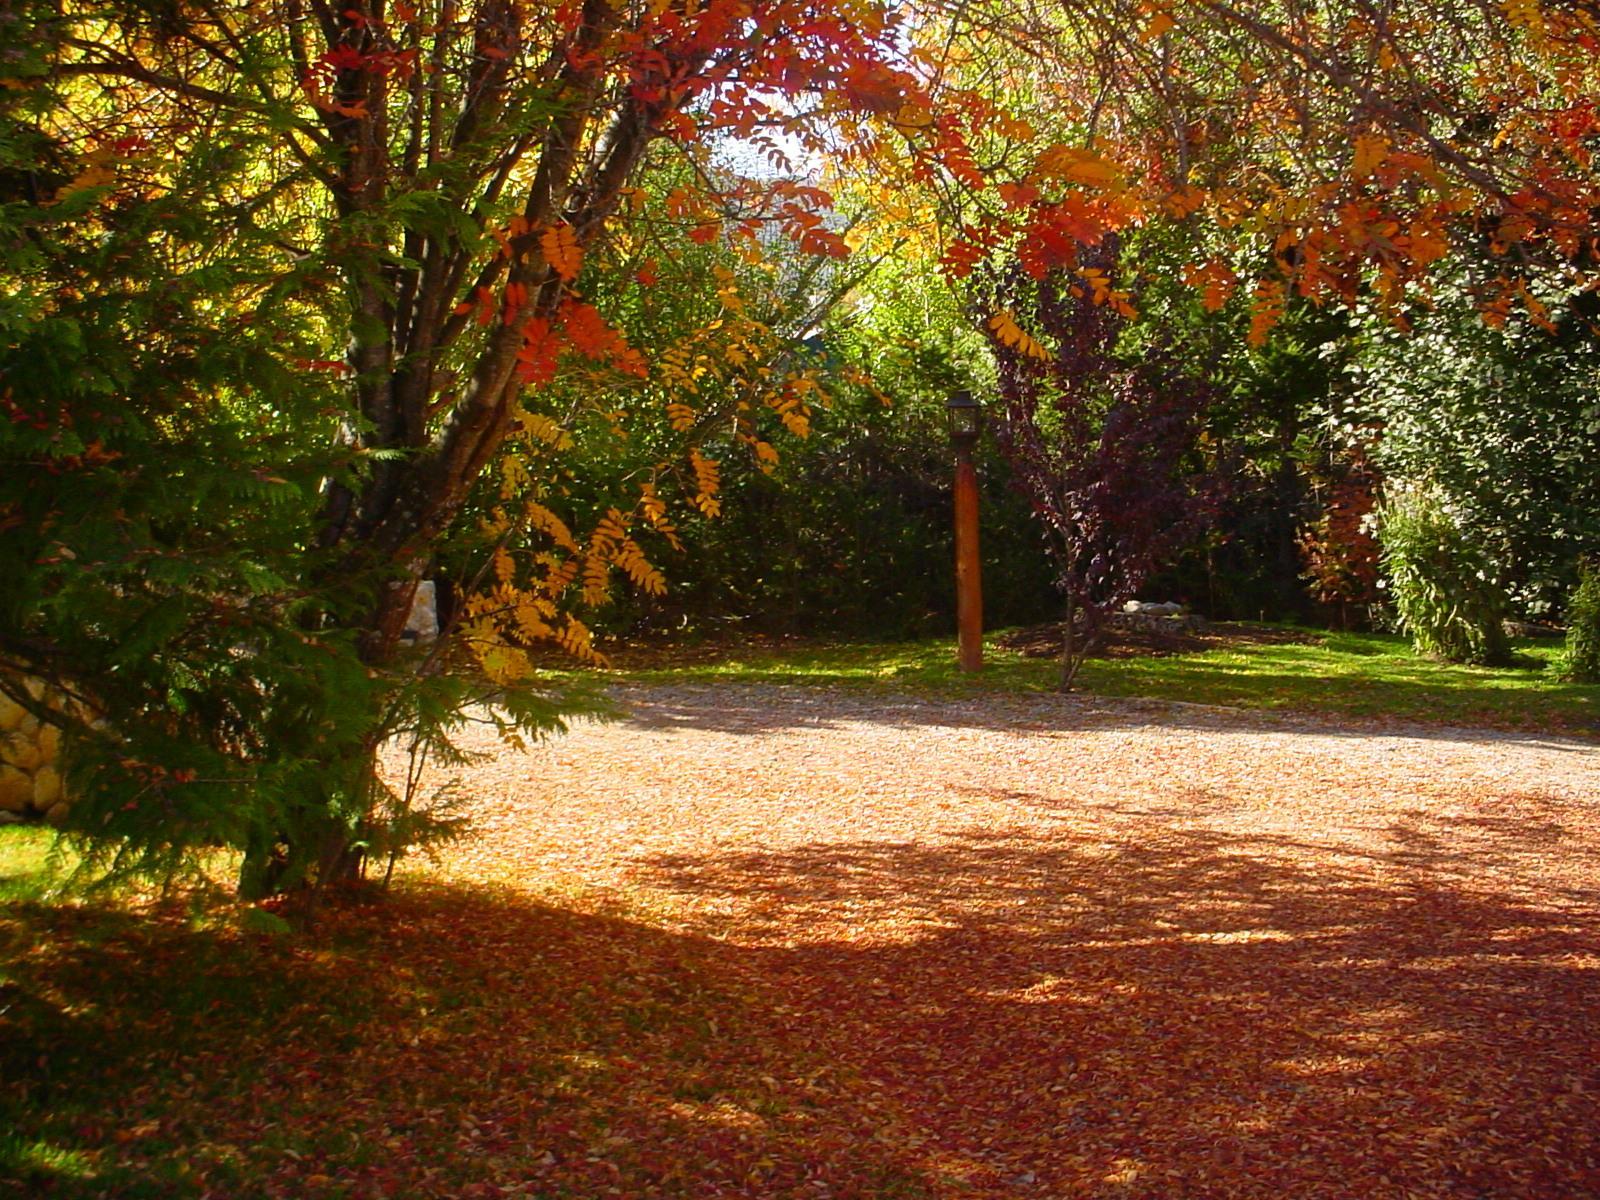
pixel 28 870
pixel 1366 675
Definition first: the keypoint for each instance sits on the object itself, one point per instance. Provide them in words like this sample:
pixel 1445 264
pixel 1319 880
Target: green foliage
pixel 1501 422
pixel 1581 662
pixel 848 531
pixel 168 430
pixel 1443 585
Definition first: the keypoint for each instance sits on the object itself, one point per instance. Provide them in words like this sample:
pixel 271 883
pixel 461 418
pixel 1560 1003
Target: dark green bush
pixel 1443 586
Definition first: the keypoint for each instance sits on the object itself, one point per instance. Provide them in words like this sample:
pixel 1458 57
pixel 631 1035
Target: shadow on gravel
pixel 1187 1015
pixel 449 1043
pixel 1198 1014
pixel 762 708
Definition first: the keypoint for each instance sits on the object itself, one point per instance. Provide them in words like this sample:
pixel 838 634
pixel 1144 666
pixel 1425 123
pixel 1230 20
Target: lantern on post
pixel 965 416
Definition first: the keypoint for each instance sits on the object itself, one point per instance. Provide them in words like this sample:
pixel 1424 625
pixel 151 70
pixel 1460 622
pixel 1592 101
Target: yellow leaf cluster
pixel 655 512
pixel 610 545
pixel 576 639
pixel 1266 310
pixel 1371 149
pixel 1006 329
pixel 1101 292
pixel 505 567
pixel 1077 166
pixel 708 480
pixel 542 519
pixel 1527 16
pixel 543 429
pixel 561 250
pixel 1158 21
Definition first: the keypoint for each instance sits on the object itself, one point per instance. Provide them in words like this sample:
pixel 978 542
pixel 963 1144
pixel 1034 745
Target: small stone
pixel 50 742
pixel 23 753
pixel 11 818
pixel 58 813
pixel 46 788
pixel 16 790
pixel 36 688
pixel 422 623
pixel 11 713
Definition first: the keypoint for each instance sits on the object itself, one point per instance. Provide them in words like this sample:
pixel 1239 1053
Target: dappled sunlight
pixel 1068 942
pixel 753 944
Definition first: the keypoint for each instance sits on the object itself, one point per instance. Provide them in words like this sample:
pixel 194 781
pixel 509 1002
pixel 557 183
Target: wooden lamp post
pixel 966 422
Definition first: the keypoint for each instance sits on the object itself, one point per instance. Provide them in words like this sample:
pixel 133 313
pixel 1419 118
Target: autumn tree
pixel 1100 441
pixel 340 269
pixel 1379 158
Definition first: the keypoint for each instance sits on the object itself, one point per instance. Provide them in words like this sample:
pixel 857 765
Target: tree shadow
pixel 1005 1014
pixel 451 1042
pixel 754 709
pixel 1197 1014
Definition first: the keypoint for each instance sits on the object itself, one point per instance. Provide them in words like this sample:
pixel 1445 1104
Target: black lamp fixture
pixel 965 415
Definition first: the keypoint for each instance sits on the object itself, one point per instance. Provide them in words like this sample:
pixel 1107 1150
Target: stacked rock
pixel 30 781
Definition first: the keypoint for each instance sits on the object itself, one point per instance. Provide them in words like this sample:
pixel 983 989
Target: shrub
pixel 1443 586
pixel 1581 663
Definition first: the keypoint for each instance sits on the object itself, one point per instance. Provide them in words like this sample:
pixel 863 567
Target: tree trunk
pixel 1069 661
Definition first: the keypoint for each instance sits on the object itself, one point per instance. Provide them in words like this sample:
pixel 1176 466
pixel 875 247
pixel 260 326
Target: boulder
pixel 26 754
pixel 46 788
pixel 16 790
pixel 422 624
pixel 11 713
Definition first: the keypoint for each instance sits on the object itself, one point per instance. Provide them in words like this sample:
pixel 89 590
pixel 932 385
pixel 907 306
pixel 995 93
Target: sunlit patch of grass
pixel 1356 674
pixel 30 864
pixel 28 1157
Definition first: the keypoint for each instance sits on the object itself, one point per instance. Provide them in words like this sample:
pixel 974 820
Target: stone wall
pixel 30 781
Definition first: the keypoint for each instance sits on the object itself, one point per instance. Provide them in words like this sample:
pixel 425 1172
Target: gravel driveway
pixel 1089 947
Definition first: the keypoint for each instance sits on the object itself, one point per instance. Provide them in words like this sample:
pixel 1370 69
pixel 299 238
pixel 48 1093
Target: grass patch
pixel 1367 675
pixel 30 868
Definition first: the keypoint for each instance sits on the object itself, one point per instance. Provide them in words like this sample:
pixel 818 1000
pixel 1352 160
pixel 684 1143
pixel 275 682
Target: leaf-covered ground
pixel 783 942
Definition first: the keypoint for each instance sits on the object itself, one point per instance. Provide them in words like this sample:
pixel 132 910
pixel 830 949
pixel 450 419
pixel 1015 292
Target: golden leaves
pixel 708 480
pixel 1158 22
pixel 541 428
pixel 1527 16
pixel 1266 310
pixel 610 545
pixel 1005 328
pixel 96 172
pixel 1100 291
pixel 1371 149
pixel 655 512
pixel 1075 165
pixel 561 250
pixel 540 518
